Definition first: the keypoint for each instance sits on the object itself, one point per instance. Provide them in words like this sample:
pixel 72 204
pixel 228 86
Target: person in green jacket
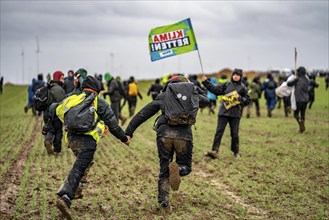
pixel 254 92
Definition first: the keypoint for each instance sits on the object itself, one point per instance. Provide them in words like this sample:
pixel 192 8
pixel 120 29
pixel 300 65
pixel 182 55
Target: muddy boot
pixel 26 109
pixel 63 204
pixel 212 154
pixel 174 177
pixel 49 147
pixel 301 126
pixel 237 155
pixel 269 113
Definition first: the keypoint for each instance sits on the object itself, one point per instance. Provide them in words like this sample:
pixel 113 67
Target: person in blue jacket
pixel 30 104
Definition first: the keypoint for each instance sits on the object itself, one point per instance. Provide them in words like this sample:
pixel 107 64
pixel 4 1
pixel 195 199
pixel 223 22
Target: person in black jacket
pixel 115 96
pixel 68 84
pixel 84 145
pixel 228 112
pixel 155 89
pixel 311 90
pixel 169 139
pixel 53 128
pixel 1 84
pixel 37 85
pixel 301 84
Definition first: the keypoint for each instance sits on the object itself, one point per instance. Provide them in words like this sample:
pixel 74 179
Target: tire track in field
pixel 255 212
pixel 10 180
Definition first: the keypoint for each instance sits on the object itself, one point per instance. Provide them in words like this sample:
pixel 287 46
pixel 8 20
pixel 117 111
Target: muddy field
pixel 282 174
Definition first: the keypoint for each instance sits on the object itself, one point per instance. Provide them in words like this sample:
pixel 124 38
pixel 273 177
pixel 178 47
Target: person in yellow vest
pixel 132 93
pixel 83 144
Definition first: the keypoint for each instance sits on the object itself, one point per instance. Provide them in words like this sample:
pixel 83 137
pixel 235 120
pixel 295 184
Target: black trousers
pixel 132 102
pixel 115 106
pixel 234 129
pixel 299 113
pixel 166 149
pixel 55 134
pixel 83 147
pixel 286 104
pixel 311 99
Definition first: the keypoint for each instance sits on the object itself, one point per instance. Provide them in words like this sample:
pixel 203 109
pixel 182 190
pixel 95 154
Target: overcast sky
pixel 103 36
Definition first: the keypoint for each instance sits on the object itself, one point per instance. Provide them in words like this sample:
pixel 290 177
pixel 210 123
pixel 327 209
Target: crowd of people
pixel 174 140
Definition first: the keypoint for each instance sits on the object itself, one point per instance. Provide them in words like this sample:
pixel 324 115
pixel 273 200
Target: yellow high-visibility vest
pixel 75 100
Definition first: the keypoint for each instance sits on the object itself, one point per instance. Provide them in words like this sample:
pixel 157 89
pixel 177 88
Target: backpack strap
pixel 155 122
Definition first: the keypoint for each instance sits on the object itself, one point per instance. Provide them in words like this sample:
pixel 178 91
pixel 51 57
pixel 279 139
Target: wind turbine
pixel 37 52
pixel 112 62
pixel 22 54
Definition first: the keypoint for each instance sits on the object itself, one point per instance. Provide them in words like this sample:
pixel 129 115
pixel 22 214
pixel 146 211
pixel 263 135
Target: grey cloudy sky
pixel 252 35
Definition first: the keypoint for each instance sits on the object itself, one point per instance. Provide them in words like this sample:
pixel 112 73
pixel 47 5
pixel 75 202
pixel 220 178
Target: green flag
pixel 171 40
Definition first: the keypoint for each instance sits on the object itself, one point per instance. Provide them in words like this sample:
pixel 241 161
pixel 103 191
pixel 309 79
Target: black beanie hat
pixel 92 83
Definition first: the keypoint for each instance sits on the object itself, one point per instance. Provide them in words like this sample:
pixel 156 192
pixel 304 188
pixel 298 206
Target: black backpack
pixel 181 103
pixel 121 90
pixel 271 84
pixel 41 97
pixel 81 118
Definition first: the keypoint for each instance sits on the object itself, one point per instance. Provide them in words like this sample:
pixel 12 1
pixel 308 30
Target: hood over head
pixel 81 73
pixel 301 71
pixel 108 77
pixel 91 83
pixel 237 72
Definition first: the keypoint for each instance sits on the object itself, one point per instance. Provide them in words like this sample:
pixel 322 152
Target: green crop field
pixel 282 174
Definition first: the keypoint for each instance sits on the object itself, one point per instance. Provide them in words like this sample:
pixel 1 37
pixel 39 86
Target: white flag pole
pixel 200 62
